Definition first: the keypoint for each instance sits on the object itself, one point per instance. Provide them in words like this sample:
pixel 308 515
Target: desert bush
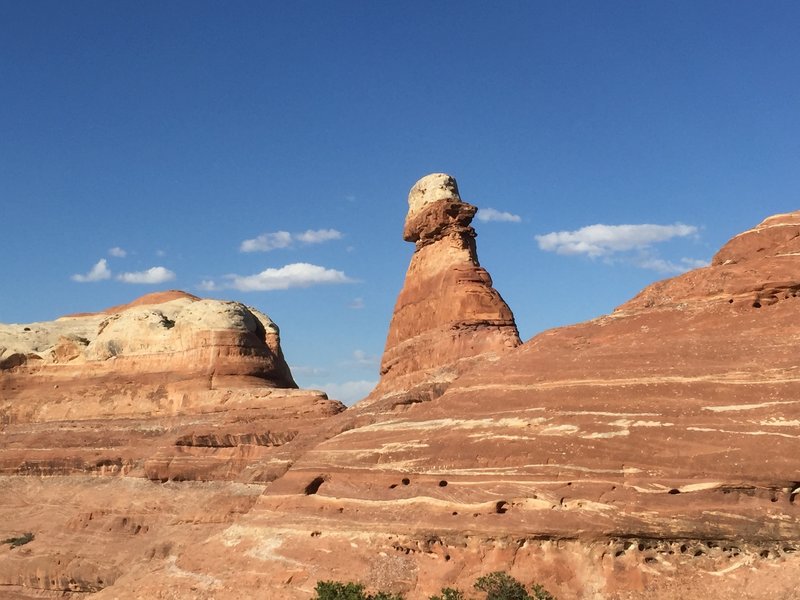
pixel 19 541
pixel 501 586
pixel 497 586
pixel 335 590
pixel 449 594
pixel 539 593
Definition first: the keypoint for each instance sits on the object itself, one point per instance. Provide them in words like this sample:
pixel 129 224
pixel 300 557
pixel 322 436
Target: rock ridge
pixel 649 453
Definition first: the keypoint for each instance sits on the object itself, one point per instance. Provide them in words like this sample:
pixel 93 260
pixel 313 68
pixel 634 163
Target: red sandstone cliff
pixel 448 316
pixel 649 453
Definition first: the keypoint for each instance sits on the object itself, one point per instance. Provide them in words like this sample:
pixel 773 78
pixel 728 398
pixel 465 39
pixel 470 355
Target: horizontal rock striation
pixel 158 340
pixel 649 453
pixel 666 431
pixel 447 316
pixel 169 386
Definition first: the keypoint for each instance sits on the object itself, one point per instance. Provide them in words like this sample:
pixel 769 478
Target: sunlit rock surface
pixel 448 316
pixel 649 453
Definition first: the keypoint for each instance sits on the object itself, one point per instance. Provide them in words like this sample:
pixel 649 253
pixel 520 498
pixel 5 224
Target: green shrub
pixel 497 586
pixel 501 586
pixel 335 590
pixel 19 541
pixel 539 593
pixel 449 594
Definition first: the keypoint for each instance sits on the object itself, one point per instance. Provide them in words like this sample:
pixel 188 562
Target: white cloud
pixel 290 276
pixel 661 265
pixel 695 263
pixel 266 242
pixel 490 214
pixel 307 370
pixel 603 240
pixel 98 272
pixel 357 304
pixel 362 359
pixel 348 391
pixel 117 252
pixel 318 236
pixel 283 239
pixel 208 285
pixel 152 275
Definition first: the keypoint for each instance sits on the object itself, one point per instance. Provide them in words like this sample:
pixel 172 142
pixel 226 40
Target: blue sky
pixel 231 148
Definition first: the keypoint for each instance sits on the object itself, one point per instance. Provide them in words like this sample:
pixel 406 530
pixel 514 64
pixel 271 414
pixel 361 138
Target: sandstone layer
pixel 448 316
pixel 650 453
pixel 169 386
pixel 177 336
pixel 659 443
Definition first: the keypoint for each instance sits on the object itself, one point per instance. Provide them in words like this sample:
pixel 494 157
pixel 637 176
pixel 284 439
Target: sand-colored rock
pixel 661 439
pixel 169 386
pixel 448 316
pixel 147 357
pixel 650 453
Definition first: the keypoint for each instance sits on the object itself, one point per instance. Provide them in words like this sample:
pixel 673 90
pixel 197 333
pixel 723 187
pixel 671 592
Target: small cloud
pixel 668 267
pixel 305 370
pixel 695 263
pixel 98 272
pixel 603 240
pixel 362 359
pixel 490 214
pixel 207 285
pixel 348 391
pixel 283 239
pixel 266 242
pixel 150 276
pixel 357 304
pixel 117 252
pixel 161 253
pixel 290 276
pixel 350 197
pixel 318 236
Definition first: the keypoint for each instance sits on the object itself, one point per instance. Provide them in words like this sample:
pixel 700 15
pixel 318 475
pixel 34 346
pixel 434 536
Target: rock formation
pixel 447 314
pixel 207 342
pixel 649 453
pixel 158 387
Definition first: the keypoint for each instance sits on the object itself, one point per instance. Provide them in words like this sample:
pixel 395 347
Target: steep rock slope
pixel 661 438
pixel 448 316
pixel 650 453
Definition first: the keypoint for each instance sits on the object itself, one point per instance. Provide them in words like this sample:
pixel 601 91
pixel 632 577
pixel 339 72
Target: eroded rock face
pixel 662 438
pixel 170 386
pixel 448 315
pixel 176 343
pixel 754 269
pixel 646 454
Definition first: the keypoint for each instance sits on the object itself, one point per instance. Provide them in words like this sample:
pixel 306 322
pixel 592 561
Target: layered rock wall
pixel 148 357
pixel 447 315
pixel 169 386
pixel 649 453
pixel 660 439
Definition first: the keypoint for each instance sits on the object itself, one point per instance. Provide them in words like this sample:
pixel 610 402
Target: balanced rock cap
pixel 431 188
